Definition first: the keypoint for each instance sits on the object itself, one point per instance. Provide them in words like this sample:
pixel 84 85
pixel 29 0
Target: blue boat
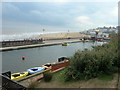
pixel 35 70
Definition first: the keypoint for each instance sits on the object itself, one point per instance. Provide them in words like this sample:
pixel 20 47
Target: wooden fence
pixel 59 65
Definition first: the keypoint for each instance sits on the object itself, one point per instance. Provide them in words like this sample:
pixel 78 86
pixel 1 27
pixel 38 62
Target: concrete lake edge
pixel 36 45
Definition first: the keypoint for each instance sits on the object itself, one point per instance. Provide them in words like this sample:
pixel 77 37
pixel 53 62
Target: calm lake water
pixel 11 60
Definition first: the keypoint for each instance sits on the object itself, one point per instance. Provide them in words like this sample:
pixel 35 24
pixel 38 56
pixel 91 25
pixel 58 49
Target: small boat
pixel 100 40
pixel 64 44
pixel 47 66
pixel 35 70
pixel 16 76
pixel 62 59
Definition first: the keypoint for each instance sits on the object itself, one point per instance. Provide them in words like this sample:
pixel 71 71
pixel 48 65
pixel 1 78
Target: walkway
pixel 46 43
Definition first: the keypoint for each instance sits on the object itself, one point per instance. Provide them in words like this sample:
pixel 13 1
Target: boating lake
pixel 12 61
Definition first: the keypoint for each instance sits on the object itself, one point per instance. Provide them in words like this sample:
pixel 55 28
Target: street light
pixel 43 34
pixel 97 31
pixel 43 30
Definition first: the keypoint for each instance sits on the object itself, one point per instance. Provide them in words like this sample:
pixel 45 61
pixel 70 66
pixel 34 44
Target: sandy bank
pixel 63 35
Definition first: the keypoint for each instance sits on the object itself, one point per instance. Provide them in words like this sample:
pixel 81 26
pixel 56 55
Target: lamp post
pixel 43 35
pixel 43 30
pixel 96 32
pixel 67 34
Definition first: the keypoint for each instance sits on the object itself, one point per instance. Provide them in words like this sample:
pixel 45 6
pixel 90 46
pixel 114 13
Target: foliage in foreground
pixel 90 64
pixel 47 77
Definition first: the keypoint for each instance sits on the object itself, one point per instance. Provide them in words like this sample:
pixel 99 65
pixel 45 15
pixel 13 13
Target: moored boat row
pixel 62 62
pixel 19 75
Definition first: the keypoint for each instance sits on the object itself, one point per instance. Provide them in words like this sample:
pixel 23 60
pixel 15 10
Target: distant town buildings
pixel 104 31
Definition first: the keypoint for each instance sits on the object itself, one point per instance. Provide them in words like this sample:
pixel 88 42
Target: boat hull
pixel 64 44
pixel 35 70
pixel 16 76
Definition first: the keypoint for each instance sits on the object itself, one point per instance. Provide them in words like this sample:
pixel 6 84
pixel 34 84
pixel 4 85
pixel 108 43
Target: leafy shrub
pixel 47 76
pixel 89 64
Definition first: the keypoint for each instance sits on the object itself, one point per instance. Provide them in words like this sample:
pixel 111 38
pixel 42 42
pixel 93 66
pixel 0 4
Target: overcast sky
pixel 22 17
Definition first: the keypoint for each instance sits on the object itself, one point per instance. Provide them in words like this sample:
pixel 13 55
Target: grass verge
pixel 105 77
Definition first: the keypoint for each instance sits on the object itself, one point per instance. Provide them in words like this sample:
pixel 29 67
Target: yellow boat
pixel 16 76
pixel 64 44
pixel 47 66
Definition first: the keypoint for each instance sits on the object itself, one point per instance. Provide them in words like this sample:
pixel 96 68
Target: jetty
pixel 44 43
pixel 42 40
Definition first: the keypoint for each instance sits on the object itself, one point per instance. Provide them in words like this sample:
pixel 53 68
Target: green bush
pixel 89 64
pixel 47 76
